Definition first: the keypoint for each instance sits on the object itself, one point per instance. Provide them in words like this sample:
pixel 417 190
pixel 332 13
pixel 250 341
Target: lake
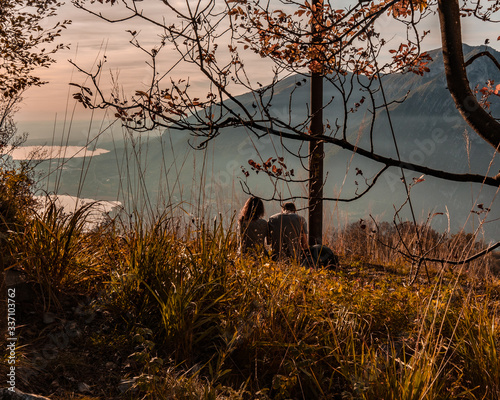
pixel 53 152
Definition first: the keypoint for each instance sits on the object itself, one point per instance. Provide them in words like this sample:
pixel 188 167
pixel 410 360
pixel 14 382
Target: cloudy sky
pixel 51 107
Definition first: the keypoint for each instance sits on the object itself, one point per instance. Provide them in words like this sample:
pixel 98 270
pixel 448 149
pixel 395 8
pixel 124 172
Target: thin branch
pixel 483 54
pixel 467 260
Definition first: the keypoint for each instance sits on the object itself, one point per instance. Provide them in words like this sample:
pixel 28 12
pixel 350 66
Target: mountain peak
pixel 484 64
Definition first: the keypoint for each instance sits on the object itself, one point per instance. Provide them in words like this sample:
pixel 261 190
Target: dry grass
pixel 177 314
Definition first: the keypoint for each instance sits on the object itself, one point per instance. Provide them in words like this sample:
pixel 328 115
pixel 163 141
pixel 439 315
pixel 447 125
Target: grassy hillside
pixel 163 310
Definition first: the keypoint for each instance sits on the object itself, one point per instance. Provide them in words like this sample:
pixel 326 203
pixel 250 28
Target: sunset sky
pixel 51 107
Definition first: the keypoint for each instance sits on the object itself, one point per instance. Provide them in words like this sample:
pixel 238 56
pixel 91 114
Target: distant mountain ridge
pixel 428 130
pixel 478 73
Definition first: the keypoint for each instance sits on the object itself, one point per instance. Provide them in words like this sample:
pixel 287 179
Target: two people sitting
pixel 285 232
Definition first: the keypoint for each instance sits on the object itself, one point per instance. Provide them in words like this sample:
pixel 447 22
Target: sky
pixel 51 109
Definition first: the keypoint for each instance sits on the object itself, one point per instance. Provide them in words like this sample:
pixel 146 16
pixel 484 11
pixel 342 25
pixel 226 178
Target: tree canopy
pixel 344 47
pixel 215 35
pixel 26 44
pixel 23 41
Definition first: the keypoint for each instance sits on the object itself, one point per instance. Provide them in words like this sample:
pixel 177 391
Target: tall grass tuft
pixel 477 348
pixel 174 284
pixel 52 249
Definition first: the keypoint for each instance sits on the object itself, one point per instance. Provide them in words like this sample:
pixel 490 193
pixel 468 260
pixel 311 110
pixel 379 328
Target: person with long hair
pixel 252 228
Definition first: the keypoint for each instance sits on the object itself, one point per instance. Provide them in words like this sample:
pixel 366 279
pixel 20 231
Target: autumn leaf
pixel 484 90
pixel 418 180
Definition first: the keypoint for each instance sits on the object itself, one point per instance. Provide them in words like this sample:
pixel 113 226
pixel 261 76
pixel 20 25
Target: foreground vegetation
pixel 164 310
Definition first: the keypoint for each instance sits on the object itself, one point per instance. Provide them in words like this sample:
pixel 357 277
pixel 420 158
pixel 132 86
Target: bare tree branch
pixel 483 54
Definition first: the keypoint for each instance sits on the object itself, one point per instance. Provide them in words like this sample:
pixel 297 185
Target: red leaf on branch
pixel 418 180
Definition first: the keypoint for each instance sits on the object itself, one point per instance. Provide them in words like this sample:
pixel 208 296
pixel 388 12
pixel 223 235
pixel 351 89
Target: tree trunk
pixel 316 156
pixel 316 153
pixel 458 84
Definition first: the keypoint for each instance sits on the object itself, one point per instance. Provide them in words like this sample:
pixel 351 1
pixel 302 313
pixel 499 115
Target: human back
pixel 252 228
pixel 287 233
